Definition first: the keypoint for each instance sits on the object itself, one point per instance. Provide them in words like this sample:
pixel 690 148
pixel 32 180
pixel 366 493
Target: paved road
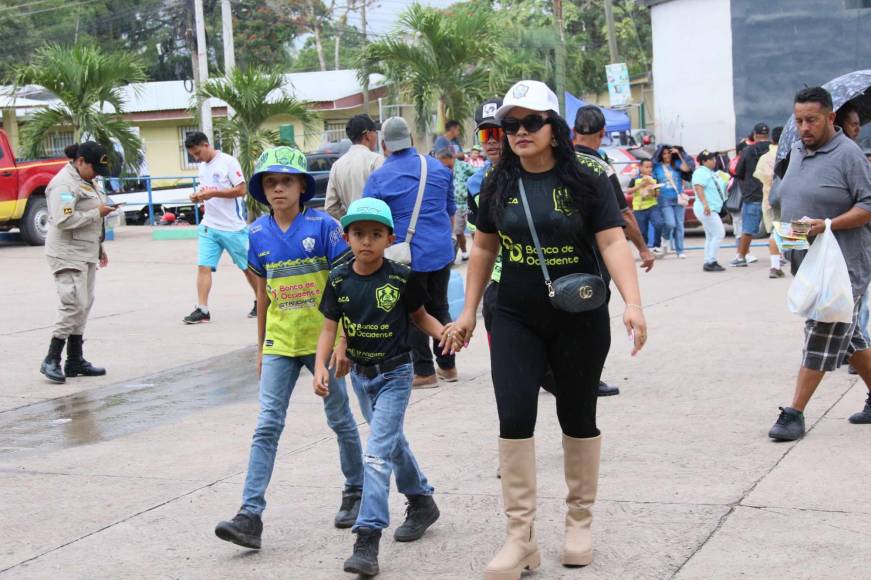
pixel 126 475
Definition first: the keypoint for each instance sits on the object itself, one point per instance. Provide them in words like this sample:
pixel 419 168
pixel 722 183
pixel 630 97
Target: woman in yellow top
pixel 645 191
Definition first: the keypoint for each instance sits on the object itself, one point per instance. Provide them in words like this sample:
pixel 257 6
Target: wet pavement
pixel 125 476
pixel 112 411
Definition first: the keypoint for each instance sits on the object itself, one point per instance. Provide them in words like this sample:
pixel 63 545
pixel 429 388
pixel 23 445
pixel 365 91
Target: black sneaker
pixel 349 509
pixel 364 561
pixel 606 390
pixel 422 512
pixel 197 316
pixel 253 313
pixel 863 417
pixel 789 426
pixel 244 530
pixel 713 267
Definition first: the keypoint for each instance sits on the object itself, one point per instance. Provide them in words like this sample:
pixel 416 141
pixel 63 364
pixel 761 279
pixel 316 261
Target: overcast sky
pixel 383 16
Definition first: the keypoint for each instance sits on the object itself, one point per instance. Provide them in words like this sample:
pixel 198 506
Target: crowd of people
pixel 360 290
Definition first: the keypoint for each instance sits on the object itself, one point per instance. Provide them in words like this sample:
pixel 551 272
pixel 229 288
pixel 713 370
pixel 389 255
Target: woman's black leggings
pixel 522 347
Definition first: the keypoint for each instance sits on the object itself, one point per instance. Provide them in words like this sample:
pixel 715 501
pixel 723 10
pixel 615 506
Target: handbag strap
pixel 547 280
pixel 412 225
pixel 716 181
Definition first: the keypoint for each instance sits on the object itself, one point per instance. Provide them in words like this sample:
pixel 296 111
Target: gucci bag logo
pixel 586 292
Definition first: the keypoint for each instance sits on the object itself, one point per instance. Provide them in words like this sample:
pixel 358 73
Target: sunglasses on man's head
pixel 488 133
pixel 532 123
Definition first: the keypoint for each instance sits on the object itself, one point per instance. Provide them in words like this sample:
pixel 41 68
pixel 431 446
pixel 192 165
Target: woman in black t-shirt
pixel 575 216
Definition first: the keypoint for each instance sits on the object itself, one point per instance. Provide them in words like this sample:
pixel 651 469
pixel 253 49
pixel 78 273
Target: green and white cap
pixel 368 209
pixel 281 160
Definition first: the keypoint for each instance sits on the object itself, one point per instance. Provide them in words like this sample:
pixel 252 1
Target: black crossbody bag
pixel 573 292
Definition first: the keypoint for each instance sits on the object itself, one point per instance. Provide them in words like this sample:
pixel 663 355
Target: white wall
pixel 692 74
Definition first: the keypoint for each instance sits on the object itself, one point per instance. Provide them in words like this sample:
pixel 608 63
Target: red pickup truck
pixel 22 193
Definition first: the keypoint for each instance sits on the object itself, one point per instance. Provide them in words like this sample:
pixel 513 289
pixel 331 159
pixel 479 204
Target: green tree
pixel 437 58
pixel 88 83
pixel 255 95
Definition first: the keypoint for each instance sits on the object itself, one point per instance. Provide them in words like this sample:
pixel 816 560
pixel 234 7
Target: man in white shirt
pixel 221 188
pixel 349 173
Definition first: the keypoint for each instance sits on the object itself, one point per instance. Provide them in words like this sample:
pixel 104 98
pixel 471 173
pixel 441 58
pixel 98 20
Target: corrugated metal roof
pixel 321 86
pixel 315 87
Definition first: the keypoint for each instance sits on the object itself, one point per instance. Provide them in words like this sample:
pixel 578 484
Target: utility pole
pixel 229 49
pixel 203 69
pixel 365 42
pixel 560 54
pixel 612 38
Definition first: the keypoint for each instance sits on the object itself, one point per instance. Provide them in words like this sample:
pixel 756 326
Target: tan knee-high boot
pixel 517 462
pixel 581 460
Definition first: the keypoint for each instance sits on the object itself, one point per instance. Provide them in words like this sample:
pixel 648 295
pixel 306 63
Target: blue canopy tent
pixel 614 120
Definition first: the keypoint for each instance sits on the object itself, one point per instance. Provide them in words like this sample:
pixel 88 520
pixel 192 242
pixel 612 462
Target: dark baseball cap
pixel 358 125
pixel 761 129
pixel 589 120
pixel 485 114
pixel 95 154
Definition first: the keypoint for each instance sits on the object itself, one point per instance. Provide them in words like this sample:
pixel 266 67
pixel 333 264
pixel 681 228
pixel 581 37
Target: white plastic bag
pixel 821 290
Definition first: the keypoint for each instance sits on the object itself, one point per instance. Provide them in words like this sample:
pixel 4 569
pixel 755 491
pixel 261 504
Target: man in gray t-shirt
pixel 828 177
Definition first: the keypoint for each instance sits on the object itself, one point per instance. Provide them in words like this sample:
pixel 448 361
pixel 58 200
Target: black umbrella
pixel 853 88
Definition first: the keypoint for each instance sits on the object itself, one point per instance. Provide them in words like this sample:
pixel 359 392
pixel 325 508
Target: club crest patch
pixel 308 244
pixel 386 297
pixel 519 91
pixel 490 110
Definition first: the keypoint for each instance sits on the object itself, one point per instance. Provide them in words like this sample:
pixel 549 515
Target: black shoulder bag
pixel 574 292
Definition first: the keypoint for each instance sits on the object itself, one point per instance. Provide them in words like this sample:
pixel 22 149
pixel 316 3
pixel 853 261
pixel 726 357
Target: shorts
pixel 829 345
pixel 212 244
pixel 751 217
pixel 460 221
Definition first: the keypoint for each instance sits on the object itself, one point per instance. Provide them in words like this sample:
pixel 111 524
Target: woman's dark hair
pixel 815 95
pixel 501 184
pixel 775 134
pixel 705 156
pixel 72 151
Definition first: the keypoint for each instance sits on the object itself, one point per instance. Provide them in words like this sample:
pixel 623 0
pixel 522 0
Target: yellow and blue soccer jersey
pixel 296 265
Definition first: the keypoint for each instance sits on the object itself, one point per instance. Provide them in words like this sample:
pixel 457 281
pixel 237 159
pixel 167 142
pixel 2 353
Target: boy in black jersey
pixel 374 298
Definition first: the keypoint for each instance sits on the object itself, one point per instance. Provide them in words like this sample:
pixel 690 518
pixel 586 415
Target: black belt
pixel 387 365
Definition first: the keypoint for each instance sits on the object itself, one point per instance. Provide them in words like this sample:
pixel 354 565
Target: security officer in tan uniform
pixel 74 248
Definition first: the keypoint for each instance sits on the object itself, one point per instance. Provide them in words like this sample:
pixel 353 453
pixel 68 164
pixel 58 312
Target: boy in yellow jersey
pixel 291 252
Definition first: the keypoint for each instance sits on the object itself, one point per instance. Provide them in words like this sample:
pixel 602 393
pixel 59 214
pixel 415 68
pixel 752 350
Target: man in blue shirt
pixel 432 246
pixel 450 139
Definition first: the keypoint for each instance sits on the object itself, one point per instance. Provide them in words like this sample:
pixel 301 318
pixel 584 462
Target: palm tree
pixel 439 58
pixel 255 95
pixel 89 86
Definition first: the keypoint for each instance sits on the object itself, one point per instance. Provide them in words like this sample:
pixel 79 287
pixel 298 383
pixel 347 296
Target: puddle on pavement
pixel 114 410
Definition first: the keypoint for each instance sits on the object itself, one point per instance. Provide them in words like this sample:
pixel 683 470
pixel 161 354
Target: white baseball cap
pixel 532 95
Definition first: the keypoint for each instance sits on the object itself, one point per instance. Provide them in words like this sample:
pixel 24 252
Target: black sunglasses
pixel 532 123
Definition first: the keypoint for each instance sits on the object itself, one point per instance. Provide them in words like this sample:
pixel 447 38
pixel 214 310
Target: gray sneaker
pixel 863 417
pixel 738 263
pixel 789 426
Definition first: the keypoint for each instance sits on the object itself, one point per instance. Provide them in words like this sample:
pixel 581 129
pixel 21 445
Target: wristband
pixel 638 306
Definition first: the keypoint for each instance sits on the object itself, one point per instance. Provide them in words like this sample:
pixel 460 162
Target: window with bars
pixel 334 131
pixel 188 162
pixel 56 142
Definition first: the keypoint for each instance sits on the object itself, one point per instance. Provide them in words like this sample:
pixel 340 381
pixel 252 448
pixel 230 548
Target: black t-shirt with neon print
pixel 566 250
pixel 374 310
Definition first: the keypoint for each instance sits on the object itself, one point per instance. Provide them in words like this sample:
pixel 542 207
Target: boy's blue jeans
pixel 383 400
pixel 278 377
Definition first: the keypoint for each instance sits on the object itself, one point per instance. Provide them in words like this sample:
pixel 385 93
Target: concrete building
pixel 720 66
